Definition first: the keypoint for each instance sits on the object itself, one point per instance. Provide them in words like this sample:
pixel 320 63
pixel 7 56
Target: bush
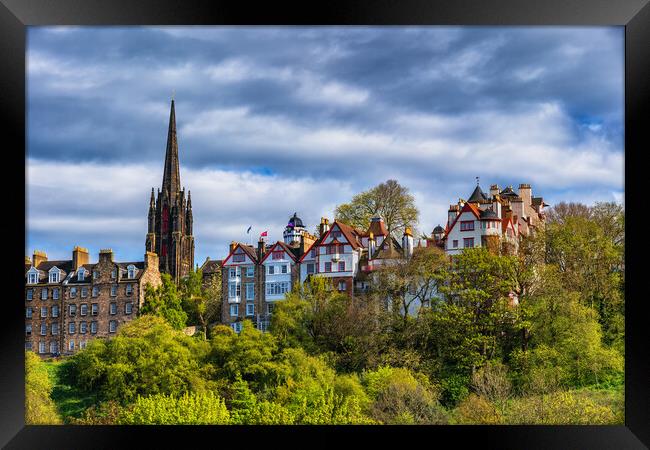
pixel 476 409
pixel 39 407
pixel 560 408
pixel 190 409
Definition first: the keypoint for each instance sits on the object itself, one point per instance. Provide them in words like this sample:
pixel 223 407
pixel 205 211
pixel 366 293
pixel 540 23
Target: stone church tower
pixel 170 215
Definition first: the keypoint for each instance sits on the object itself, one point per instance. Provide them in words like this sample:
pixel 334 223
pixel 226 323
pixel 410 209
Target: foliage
pixel 562 407
pixel 476 409
pixel 164 301
pixel 201 301
pixel 389 200
pixel 147 357
pixel 39 407
pixel 203 408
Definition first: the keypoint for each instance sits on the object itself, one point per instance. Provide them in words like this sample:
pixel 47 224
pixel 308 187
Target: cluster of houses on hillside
pixel 68 302
pixel 255 278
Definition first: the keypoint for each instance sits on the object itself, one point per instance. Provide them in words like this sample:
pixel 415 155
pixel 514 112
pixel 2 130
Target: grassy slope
pixel 70 401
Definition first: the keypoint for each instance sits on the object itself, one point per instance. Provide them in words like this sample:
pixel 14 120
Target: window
pixel 330 249
pixel 250 309
pixel 28 312
pixel 94 308
pixel 71 328
pixel 113 308
pixel 41 347
pixel 113 290
pixel 250 291
pixel 55 293
pixel 73 292
pixel 455 243
pixel 277 288
pixel 234 310
pixel 342 285
pixel 44 294
pixel 112 326
pixel 271 270
pixel 28 345
pixel 30 294
pixel 114 273
pixel 234 289
pixel 54 347
pixel 95 274
pixel 269 307
pixel 236 327
pixel 43 329
pixel 129 289
pixel 328 267
pixel 128 308
pixel 28 329
pixel 341 266
pixel 32 277
pixel 43 311
pixel 71 346
pixel 93 327
pixel 250 271
pixel 55 311
pixel 336 234
pixel 238 257
pixel 468 242
pixel 55 328
pixel 314 252
pixel 130 271
pixel 95 291
pixel 54 275
pixel 278 255
pixel 82 327
pixel 73 310
pixel 84 291
pixel 233 272
pixel 310 268
pixel 284 268
pixel 81 274
pixel 83 309
pixel 82 344
pixel 467 225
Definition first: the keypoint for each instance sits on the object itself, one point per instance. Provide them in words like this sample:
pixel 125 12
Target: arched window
pixel 131 271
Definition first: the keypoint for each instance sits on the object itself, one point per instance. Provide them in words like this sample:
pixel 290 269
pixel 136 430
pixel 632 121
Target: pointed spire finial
pixel 477 179
pixel 171 174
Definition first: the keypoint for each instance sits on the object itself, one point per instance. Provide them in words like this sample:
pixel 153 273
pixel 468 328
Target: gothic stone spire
pixel 171 176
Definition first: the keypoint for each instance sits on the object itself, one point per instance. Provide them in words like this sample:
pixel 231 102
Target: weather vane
pixel 477 181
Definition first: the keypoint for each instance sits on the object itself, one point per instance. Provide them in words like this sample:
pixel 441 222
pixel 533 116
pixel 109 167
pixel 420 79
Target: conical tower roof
pixel 171 175
pixel 477 195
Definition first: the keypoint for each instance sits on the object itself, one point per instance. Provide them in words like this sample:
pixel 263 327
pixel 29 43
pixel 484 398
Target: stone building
pixel 70 302
pixel 170 224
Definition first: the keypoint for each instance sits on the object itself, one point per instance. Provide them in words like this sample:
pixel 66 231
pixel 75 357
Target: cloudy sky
pixel 276 120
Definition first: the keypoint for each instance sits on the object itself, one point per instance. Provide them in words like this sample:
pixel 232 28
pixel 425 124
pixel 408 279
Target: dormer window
pixel 32 276
pixel 81 274
pixel 55 275
pixel 131 271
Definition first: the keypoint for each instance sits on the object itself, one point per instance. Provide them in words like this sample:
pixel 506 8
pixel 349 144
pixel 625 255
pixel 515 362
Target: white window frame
pixel 55 311
pixel 44 294
pixel 28 329
pixel 55 328
pixel 234 310
pixel 41 347
pixel 84 291
pixel 54 347
pixel 32 276
pixel 29 312
pixel 71 346
pixel 55 293
pixel 250 309
pixel 250 289
pixel 112 326
pixel 130 271
pixel 113 290
pixel 72 310
pixel 72 327
pixel 250 271
pixel 54 275
pixel 112 308
pixel 81 274
pixel 284 268
pixel 43 309
pixel 43 329
pixel 83 311
pixel 95 291
pixel 129 289
pixel 93 327
pixel 73 292
pixel 94 309
pixel 30 294
pixel 128 308
pixel 83 327
pixel 271 269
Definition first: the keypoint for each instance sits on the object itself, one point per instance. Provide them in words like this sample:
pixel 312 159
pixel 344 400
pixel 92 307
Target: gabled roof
pixel 248 250
pixel 313 244
pixel 350 233
pixel 508 192
pixel 468 207
pixel 377 228
pixel 210 266
pixel 388 249
pixel 288 250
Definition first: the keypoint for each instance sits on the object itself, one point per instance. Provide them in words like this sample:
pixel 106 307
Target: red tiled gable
pixel 250 251
pixel 350 234
pixel 282 246
pixel 468 207
pixel 378 228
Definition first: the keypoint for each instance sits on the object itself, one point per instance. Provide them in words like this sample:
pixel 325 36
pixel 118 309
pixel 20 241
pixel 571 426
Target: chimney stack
pixel 151 260
pixel 324 226
pixel 233 244
pixel 526 194
pixel 494 190
pixel 39 257
pixel 261 249
pixel 80 256
pixel 106 254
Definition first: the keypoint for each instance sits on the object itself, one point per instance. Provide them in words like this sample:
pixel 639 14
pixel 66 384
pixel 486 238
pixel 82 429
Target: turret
pixel 407 242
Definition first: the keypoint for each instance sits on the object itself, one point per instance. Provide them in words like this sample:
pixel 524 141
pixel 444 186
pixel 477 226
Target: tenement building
pixel 170 221
pixel 69 302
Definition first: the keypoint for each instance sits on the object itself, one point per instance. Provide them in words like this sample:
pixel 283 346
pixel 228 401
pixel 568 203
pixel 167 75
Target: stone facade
pixel 92 300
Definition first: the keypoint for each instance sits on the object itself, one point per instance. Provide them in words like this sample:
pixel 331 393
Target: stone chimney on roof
pixel 324 226
pixel 80 256
pixel 526 194
pixel 261 249
pixel 106 254
pixel 151 260
pixel 233 244
pixel 38 257
pixel 494 190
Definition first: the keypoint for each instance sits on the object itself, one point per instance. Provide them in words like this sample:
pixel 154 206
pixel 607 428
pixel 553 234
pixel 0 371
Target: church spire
pixel 171 176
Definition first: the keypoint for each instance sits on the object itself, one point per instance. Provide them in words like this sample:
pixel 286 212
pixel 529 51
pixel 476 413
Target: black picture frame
pixel 634 15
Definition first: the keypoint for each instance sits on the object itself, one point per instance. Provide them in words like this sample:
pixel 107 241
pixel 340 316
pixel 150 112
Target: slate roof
pixel 508 192
pixel 350 234
pixel 478 195
pixel 488 214
pixel 210 266
pixel 389 249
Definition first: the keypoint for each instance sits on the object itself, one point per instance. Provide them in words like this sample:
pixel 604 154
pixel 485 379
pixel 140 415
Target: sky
pixel 277 120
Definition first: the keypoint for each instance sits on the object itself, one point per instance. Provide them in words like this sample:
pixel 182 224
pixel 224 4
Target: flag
pixel 249 229
pixel 265 233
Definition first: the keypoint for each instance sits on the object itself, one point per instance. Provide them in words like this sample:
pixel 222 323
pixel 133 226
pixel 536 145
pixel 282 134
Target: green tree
pixel 389 200
pixel 39 406
pixel 201 301
pixel 203 408
pixel 164 301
